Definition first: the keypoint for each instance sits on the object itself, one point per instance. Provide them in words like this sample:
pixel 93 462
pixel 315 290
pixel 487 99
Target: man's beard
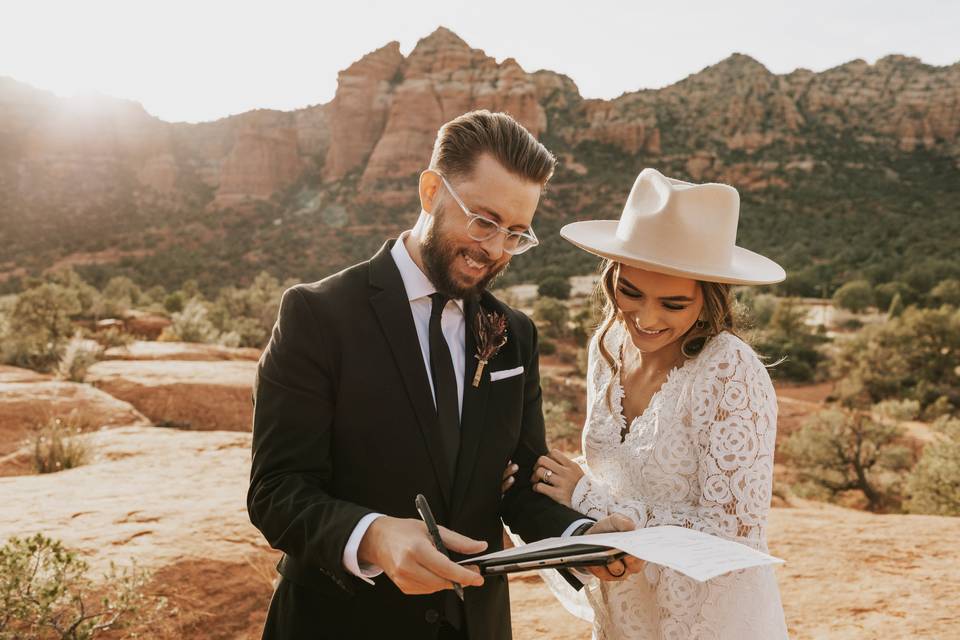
pixel 439 256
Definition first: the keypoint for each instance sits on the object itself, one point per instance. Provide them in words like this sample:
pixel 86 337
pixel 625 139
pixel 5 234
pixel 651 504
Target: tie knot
pixel 439 302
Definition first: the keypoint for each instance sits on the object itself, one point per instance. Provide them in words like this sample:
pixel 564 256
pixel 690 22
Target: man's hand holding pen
pixel 403 548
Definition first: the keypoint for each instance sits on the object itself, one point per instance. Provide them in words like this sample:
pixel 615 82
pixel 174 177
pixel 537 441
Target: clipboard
pixel 572 556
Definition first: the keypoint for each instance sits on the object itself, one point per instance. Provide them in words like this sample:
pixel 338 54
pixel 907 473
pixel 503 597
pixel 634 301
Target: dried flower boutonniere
pixel 490 330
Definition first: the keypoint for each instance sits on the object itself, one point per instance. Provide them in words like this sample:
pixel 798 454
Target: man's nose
pixel 493 247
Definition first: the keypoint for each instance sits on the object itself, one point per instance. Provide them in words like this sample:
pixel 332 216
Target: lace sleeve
pixel 732 412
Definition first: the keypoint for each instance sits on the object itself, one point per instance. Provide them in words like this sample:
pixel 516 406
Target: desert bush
pixel 933 485
pixel 554 316
pixel 939 408
pixel 77 357
pixel 854 296
pixel 885 293
pixel 948 426
pixel 87 295
pixel 191 325
pixel 173 302
pixel 57 446
pixel 786 336
pixel 946 292
pixel 898 410
pixel 837 452
pixel 113 337
pixel 118 295
pixel 755 310
pixel 46 592
pixel 246 315
pixel 554 287
pixel 38 326
pixel 914 357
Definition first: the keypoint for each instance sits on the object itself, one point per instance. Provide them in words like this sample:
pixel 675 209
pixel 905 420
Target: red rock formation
pixel 192 394
pixel 28 401
pixel 260 163
pixel 190 351
pixel 359 111
pixel 442 78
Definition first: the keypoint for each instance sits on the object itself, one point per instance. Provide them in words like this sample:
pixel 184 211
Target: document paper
pixel 698 555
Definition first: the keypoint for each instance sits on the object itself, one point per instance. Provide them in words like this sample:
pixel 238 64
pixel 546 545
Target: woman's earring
pixel 701 323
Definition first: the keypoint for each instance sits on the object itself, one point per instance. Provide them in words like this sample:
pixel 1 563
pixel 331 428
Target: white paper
pixel 698 555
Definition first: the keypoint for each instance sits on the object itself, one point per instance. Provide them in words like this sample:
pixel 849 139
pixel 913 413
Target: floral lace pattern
pixel 699 456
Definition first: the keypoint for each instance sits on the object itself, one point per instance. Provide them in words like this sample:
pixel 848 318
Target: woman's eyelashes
pixel 636 295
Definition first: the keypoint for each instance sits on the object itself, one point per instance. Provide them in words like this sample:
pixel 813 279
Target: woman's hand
pixel 508 476
pixel 556 476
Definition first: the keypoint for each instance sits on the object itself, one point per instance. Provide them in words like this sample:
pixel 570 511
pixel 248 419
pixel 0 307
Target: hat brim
pixel 599 237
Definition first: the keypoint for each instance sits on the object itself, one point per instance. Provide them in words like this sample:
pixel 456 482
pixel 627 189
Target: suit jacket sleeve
pixel 294 400
pixel 529 514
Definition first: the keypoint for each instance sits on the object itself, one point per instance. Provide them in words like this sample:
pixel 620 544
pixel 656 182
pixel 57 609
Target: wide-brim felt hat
pixel 678 228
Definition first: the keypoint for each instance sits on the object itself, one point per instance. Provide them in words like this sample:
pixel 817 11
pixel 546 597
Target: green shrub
pixel 933 485
pixel 787 337
pixel 57 444
pixel 838 452
pixel 246 315
pixel 946 292
pixel 173 303
pixel 78 356
pixel 38 326
pixel 553 314
pixel 46 592
pixel 191 325
pixel 554 287
pixel 915 357
pixel 854 296
pixel 547 347
pixel 113 337
pixel 885 293
pixel 898 410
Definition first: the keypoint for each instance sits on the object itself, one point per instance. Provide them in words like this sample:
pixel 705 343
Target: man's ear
pixel 429 189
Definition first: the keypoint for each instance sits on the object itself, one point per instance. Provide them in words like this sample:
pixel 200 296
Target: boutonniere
pixel 490 330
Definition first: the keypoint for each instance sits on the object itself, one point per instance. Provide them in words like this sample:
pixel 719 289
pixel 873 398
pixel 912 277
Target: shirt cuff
pixel 576 525
pixel 579 574
pixel 350 561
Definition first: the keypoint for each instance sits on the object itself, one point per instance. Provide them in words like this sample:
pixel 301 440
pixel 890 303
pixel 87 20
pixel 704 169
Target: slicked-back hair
pixel 462 141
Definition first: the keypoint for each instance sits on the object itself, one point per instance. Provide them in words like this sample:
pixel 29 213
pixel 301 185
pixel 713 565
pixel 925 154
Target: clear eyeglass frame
pixel 482 228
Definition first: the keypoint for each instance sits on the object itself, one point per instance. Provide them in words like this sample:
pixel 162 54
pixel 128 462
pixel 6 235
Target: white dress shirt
pixel 453 325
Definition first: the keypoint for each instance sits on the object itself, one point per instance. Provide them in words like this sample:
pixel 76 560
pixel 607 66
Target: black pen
pixel 427 516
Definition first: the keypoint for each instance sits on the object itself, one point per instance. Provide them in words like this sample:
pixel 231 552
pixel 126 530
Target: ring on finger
pixel 618 575
pixel 546 476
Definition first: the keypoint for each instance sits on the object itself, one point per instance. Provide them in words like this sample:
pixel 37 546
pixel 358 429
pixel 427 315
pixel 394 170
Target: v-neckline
pixel 626 427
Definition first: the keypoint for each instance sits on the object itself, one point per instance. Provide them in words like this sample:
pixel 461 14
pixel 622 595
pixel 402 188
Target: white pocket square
pixel 506 373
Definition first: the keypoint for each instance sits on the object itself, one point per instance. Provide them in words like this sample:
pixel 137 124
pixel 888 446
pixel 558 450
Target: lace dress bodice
pixel 699 456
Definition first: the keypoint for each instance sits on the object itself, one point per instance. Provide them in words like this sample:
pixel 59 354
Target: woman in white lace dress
pixel 681 413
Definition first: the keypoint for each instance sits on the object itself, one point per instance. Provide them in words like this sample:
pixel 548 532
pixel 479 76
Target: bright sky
pixel 200 60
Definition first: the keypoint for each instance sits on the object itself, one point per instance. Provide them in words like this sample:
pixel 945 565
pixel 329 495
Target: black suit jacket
pixel 345 425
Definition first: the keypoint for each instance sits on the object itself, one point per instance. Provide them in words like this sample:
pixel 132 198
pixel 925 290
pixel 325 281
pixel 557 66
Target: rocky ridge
pixel 262 186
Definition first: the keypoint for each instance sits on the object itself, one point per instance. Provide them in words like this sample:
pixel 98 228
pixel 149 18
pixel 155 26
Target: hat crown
pixel 681 223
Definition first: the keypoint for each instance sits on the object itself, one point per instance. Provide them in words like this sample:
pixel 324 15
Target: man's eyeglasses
pixel 481 228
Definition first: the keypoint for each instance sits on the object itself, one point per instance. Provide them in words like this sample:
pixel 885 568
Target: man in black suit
pixel 365 397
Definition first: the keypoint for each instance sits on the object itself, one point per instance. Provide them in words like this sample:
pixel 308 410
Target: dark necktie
pixel 444 384
pixel 448 417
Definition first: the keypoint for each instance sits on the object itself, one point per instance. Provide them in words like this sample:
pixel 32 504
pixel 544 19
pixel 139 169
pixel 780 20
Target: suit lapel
pixel 392 309
pixel 473 412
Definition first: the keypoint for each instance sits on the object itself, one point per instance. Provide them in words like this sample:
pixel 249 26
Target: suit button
pixel 431 616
